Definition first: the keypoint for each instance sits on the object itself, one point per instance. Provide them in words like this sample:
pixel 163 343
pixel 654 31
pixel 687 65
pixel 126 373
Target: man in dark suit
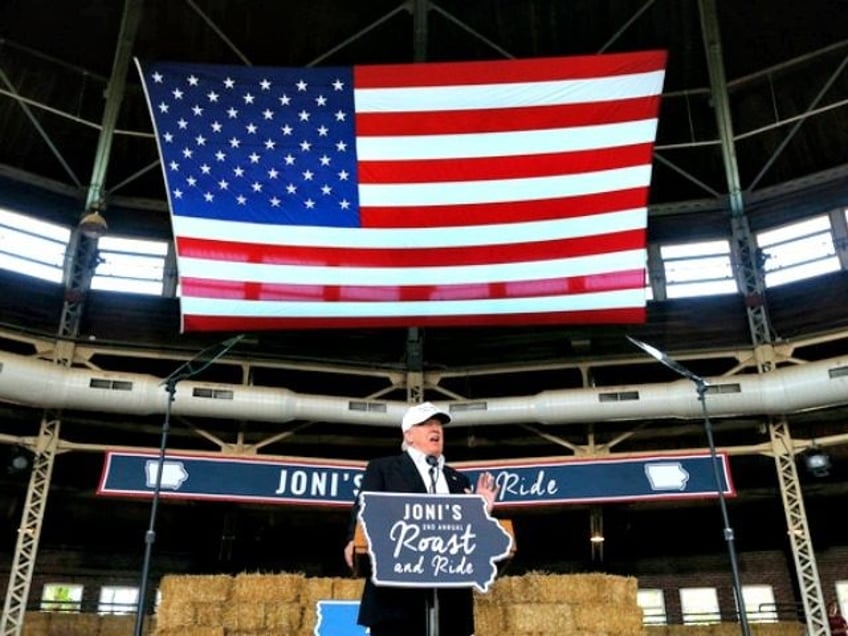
pixel 395 611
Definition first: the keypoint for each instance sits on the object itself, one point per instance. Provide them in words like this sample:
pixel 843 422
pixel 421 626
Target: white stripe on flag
pixel 505 144
pixel 502 190
pixel 507 94
pixel 400 276
pixel 427 237
pixel 501 306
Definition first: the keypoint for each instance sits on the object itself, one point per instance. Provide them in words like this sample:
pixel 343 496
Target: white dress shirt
pixel 423 467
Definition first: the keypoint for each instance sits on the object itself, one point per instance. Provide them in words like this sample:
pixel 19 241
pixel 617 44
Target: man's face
pixel 428 437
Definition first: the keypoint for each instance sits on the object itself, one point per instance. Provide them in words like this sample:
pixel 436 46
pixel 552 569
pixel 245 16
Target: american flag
pixel 487 193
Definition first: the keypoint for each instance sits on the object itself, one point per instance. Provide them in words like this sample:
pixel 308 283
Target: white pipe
pixel 38 383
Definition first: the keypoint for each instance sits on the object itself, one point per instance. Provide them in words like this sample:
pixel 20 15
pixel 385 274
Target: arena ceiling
pixel 783 62
pixel 785 84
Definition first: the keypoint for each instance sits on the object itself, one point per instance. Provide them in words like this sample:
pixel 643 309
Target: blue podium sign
pixel 338 618
pixel 432 540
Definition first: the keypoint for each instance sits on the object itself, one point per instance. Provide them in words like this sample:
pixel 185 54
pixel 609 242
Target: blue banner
pixel 336 483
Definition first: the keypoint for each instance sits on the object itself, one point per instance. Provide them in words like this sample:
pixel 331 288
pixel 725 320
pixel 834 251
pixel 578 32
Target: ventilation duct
pixel 38 383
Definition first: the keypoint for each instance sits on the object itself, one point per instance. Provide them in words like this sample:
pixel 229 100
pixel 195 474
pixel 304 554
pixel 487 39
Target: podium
pixel 429 542
pixel 360 547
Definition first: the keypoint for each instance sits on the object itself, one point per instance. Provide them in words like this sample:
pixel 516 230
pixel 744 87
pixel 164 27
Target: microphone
pixel 433 462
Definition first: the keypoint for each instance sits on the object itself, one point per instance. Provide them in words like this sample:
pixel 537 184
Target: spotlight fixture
pixel 19 461
pixel 93 225
pixel 817 462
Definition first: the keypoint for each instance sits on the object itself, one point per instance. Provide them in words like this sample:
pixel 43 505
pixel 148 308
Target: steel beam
pixel 29 532
pixel 751 282
pixel 79 272
pixel 799 532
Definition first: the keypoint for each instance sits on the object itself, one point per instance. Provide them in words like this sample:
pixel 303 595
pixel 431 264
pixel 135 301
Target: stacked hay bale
pixel 539 604
pixel 258 604
pixel 727 629
pixel 247 604
pixel 75 624
pixel 193 605
pixel 264 603
pixel 536 604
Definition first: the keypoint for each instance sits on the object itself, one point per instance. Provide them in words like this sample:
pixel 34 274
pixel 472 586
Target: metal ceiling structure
pixel 752 133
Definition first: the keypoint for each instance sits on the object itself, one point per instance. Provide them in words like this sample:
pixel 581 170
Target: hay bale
pixel 209 614
pixel 121 625
pixel 191 631
pixel 36 623
pixel 316 589
pixel 623 620
pixel 757 629
pixel 787 629
pixel 594 616
pixel 515 589
pixel 283 618
pixel 554 588
pixel 240 616
pixel 309 619
pixel 495 594
pixel 592 589
pixel 542 587
pixel 268 588
pixel 175 613
pixel 73 624
pixel 348 589
pixel 208 589
pixel 544 618
pixel 489 618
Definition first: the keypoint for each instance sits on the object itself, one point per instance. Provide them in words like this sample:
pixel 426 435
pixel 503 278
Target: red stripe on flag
pixel 505 119
pixel 530 70
pixel 309 256
pixel 517 167
pixel 507 212
pixel 610 281
pixel 625 315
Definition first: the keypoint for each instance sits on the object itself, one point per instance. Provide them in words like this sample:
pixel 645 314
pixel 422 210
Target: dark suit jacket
pixel 393 604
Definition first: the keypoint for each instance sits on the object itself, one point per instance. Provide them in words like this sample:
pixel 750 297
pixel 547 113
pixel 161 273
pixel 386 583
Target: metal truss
pixel 29 531
pixel 799 532
pixel 751 282
pixel 79 270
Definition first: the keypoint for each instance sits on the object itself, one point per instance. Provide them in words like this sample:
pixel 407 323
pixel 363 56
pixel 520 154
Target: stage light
pixel 93 225
pixel 20 461
pixel 817 462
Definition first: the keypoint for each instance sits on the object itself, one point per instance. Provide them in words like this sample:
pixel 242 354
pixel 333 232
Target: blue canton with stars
pixel 264 145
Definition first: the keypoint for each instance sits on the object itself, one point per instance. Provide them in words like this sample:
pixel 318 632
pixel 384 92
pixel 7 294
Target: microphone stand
pixel 187 370
pixel 432 596
pixel 701 388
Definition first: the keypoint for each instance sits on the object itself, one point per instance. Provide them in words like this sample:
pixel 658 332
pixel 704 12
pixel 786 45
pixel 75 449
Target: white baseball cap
pixel 420 413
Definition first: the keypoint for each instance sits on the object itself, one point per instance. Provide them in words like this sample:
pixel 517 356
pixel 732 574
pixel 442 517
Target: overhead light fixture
pixel 596 532
pixel 93 225
pixel 20 460
pixel 817 462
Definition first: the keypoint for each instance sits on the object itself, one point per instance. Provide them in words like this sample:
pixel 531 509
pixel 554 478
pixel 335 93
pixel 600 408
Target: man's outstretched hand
pixel 487 488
